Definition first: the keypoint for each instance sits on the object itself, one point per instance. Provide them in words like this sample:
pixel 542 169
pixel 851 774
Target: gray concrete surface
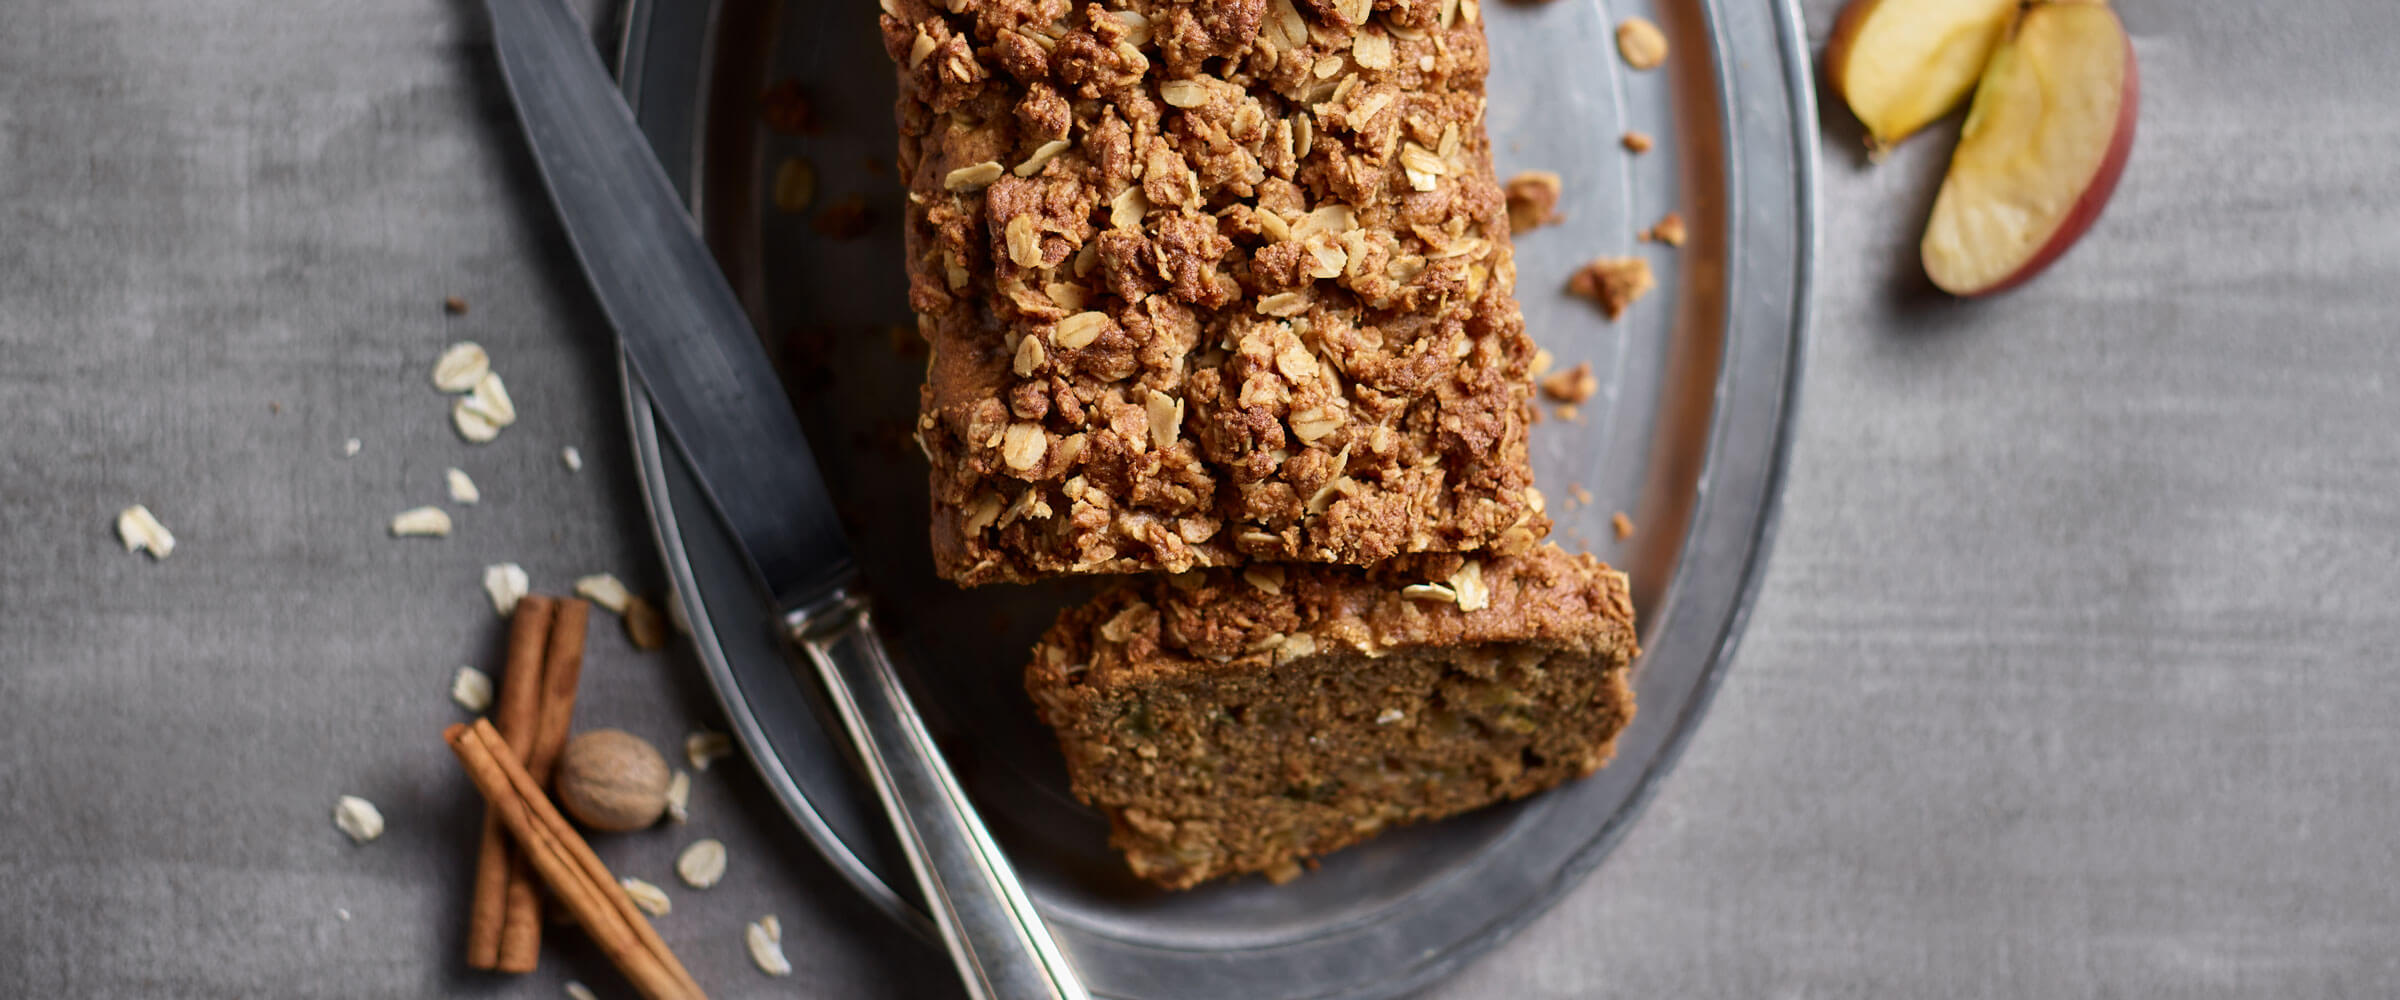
pixel 2072 677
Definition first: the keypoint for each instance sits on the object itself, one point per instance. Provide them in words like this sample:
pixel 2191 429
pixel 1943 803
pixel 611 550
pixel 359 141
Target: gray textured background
pixel 2070 678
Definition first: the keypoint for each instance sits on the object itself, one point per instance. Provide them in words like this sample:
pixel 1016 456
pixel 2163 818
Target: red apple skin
pixel 2095 195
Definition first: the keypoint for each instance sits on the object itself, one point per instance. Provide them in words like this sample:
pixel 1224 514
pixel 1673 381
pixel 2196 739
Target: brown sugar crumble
pixel 1573 385
pixel 1233 721
pixel 1613 282
pixel 1641 43
pixel 1208 283
pixel 1532 200
pixel 784 108
pixel 1636 142
pixel 1669 230
pixel 455 306
pixel 1621 524
pixel 846 218
pixel 1582 496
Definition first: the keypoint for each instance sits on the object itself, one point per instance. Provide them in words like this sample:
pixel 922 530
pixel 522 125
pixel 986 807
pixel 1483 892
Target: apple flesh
pixel 1900 64
pixel 2041 150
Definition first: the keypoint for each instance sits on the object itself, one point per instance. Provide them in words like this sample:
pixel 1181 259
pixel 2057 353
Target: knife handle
pixel 999 943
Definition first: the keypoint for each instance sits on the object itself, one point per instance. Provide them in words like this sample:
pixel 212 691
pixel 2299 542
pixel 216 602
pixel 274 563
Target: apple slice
pixel 1900 64
pixel 2041 151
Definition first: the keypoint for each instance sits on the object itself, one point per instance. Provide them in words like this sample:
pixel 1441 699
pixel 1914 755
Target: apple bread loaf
pixel 1239 720
pixel 1207 282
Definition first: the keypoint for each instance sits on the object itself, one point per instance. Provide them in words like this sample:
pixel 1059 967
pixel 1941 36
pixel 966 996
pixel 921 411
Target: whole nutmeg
pixel 611 780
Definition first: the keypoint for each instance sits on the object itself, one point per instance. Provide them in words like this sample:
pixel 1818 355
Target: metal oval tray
pixel 1688 435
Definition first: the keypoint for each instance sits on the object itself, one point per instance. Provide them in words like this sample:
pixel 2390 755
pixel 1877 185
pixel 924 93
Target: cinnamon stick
pixel 520 702
pixel 567 865
pixel 545 736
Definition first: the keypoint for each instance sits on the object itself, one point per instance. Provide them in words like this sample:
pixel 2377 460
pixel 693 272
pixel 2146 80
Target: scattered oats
pixel 1582 495
pixel 644 625
pixel 1669 230
pixel 462 489
pixel 578 991
pixel 490 399
pixel 1030 356
pixel 703 747
pixel 1574 385
pixel 1542 360
pixel 679 797
pixel 1423 167
pixel 1430 592
pixel 1473 595
pixel 1621 524
pixel 1125 211
pixel 471 689
pixel 572 457
pixel 472 424
pixel 1078 331
pixel 765 936
pixel 1372 49
pixel 652 899
pixel 1284 304
pixel 342 912
pixel 427 522
pixel 1295 646
pixel 1043 153
pixel 972 178
pixel 482 412
pixel 701 864
pixel 1024 239
pixel 460 367
pixel 1613 282
pixel 1315 423
pixel 140 531
pixel 795 185
pixel 1330 219
pixel 920 48
pixel 1068 297
pixel 1022 446
pixel 605 590
pixel 1389 716
pixel 1137 26
pixel 350 448
pixel 506 582
pixel 1570 413
pixel 1641 43
pixel 1266 578
pixel 357 817
pixel 1636 142
pixel 1183 93
pixel 1532 200
pixel 1291 28
pixel 1166 418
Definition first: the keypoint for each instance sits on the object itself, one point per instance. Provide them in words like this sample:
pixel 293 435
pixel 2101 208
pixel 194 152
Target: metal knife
pixel 693 347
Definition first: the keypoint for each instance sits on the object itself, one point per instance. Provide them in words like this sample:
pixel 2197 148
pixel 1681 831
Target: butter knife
pixel 689 341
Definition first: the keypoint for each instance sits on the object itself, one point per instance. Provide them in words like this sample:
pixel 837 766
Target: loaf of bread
pixel 1209 282
pixel 1243 720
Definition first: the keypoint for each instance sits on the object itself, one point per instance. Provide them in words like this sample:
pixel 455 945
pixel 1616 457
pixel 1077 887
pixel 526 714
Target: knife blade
pixel 691 344
pixel 678 321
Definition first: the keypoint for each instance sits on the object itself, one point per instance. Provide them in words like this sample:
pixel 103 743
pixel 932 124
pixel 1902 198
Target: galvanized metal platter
pixel 1688 436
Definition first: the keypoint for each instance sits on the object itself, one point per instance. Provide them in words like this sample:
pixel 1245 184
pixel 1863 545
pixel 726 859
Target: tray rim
pixel 635 43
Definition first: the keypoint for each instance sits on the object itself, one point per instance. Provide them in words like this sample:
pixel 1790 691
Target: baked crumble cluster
pixel 1209 283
